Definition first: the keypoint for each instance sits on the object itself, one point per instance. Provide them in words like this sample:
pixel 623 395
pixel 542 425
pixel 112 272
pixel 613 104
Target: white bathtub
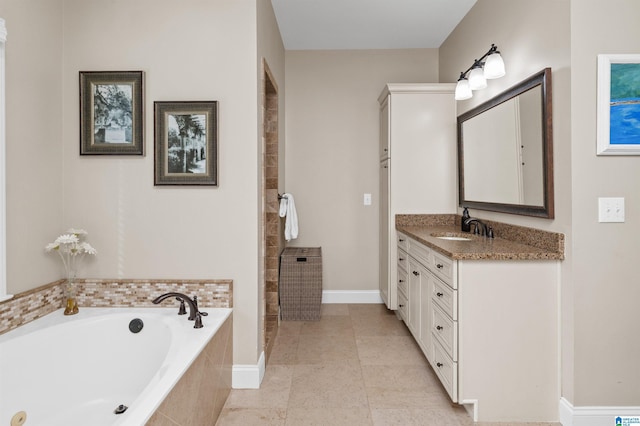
pixel 75 370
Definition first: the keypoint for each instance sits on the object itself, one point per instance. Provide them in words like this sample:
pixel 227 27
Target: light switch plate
pixel 367 199
pixel 611 209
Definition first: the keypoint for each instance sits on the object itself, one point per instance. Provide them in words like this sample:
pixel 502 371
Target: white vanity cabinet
pixel 489 329
pixel 417 164
pixel 431 311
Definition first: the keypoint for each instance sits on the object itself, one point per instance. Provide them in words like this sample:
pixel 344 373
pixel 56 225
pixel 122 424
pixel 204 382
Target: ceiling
pixel 367 24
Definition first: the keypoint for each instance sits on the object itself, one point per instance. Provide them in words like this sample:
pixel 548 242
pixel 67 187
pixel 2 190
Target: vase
pixel 71 296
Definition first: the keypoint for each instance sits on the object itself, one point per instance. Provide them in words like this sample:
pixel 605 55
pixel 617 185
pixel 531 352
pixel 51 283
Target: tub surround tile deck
pixel 511 242
pixel 198 397
pixel 33 304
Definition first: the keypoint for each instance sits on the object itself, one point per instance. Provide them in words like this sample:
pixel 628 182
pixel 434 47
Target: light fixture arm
pixel 475 77
pixel 479 62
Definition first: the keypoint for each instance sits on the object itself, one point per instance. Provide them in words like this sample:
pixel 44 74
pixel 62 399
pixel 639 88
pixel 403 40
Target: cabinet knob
pixel 439 294
pixel 402 306
pixel 416 273
pixel 401 259
pixel 401 281
pixel 438 327
pixel 401 240
pixel 439 364
pixel 439 265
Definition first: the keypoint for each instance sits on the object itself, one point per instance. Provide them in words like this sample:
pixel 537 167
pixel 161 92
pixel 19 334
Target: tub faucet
pixel 480 227
pixel 194 314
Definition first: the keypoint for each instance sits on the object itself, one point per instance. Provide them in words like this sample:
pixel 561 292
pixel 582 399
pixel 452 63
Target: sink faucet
pixel 194 314
pixel 485 231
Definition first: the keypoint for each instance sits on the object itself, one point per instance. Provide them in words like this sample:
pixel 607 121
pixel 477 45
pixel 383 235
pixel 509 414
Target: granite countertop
pixel 479 247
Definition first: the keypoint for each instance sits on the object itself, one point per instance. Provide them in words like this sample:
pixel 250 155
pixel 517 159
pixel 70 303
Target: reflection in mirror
pixel 505 151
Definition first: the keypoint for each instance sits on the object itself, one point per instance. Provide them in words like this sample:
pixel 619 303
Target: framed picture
pixel 111 113
pixel 186 143
pixel 618 118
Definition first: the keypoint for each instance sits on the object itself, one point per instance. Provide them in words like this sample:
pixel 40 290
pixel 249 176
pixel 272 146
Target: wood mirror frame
pixel 546 207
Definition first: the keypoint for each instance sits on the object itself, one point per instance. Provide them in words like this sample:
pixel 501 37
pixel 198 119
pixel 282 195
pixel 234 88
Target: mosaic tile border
pixel 33 304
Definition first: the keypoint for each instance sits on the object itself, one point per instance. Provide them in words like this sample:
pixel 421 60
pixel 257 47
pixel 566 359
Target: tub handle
pixel 183 309
pixel 195 302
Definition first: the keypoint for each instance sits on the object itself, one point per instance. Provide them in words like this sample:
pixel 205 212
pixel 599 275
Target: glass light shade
pixel 463 91
pixel 476 79
pixel 494 66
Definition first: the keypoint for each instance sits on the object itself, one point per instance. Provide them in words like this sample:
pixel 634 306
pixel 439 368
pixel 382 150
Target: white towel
pixel 288 209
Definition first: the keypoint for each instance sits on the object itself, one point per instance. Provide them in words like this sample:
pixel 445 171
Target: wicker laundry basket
pixel 300 285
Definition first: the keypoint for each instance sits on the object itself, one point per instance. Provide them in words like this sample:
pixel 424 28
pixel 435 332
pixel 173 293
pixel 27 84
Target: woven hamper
pixel 300 283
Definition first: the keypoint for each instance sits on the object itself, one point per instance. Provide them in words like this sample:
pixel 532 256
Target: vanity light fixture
pixel 489 66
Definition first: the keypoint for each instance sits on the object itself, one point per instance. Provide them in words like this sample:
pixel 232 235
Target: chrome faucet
pixel 194 313
pixel 480 227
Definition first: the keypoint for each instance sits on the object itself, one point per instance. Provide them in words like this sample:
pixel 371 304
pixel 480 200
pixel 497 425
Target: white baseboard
pixel 471 405
pixel 351 296
pixel 248 376
pixel 593 416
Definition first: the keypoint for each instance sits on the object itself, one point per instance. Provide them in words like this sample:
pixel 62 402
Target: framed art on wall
pixel 618 120
pixel 186 143
pixel 111 113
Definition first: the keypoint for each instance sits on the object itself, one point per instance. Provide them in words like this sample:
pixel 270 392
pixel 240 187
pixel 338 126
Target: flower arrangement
pixel 72 249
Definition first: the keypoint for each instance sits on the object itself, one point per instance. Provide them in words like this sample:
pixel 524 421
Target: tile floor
pixel 358 365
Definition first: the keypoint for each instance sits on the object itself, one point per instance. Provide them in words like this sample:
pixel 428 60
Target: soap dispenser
pixel 465 227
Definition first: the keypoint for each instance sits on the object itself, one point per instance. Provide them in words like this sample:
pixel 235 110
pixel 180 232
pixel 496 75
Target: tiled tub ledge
pixel 33 304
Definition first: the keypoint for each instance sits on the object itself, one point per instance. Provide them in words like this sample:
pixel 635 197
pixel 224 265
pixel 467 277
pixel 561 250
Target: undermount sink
pixel 452 236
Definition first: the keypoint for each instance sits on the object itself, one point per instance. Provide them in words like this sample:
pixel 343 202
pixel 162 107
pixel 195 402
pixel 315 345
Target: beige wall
pixel 605 271
pixel 332 152
pixel 599 344
pixel 34 139
pixel 192 51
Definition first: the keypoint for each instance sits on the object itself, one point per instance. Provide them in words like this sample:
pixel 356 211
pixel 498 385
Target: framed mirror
pixel 505 151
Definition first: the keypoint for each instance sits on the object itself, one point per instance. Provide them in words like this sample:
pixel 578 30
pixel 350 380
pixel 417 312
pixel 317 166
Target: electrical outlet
pixel 611 209
pixel 367 199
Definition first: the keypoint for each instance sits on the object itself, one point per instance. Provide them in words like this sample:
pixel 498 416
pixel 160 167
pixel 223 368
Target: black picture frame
pixel 111 113
pixel 186 143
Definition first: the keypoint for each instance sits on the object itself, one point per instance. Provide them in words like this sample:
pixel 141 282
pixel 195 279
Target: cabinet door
pixel 385 269
pixel 384 130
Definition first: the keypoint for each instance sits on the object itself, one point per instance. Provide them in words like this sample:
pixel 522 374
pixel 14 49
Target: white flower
pixel 77 232
pixel 71 249
pixel 86 247
pixel 52 246
pixel 67 239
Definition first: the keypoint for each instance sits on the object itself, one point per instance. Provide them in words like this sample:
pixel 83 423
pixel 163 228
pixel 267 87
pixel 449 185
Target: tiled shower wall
pixel 33 304
pixel 272 223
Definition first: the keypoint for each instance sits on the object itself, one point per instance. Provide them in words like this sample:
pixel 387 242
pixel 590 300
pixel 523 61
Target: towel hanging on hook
pixel 288 210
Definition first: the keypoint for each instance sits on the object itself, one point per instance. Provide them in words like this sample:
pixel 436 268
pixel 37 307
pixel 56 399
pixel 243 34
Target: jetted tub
pixel 77 370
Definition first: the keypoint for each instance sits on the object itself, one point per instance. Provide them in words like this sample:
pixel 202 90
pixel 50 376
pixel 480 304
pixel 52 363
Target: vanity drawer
pixel 403 260
pixel 442 267
pixel 445 330
pixel 421 253
pixel 446 369
pixel 445 297
pixel 402 306
pixel 403 280
pixel 402 241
